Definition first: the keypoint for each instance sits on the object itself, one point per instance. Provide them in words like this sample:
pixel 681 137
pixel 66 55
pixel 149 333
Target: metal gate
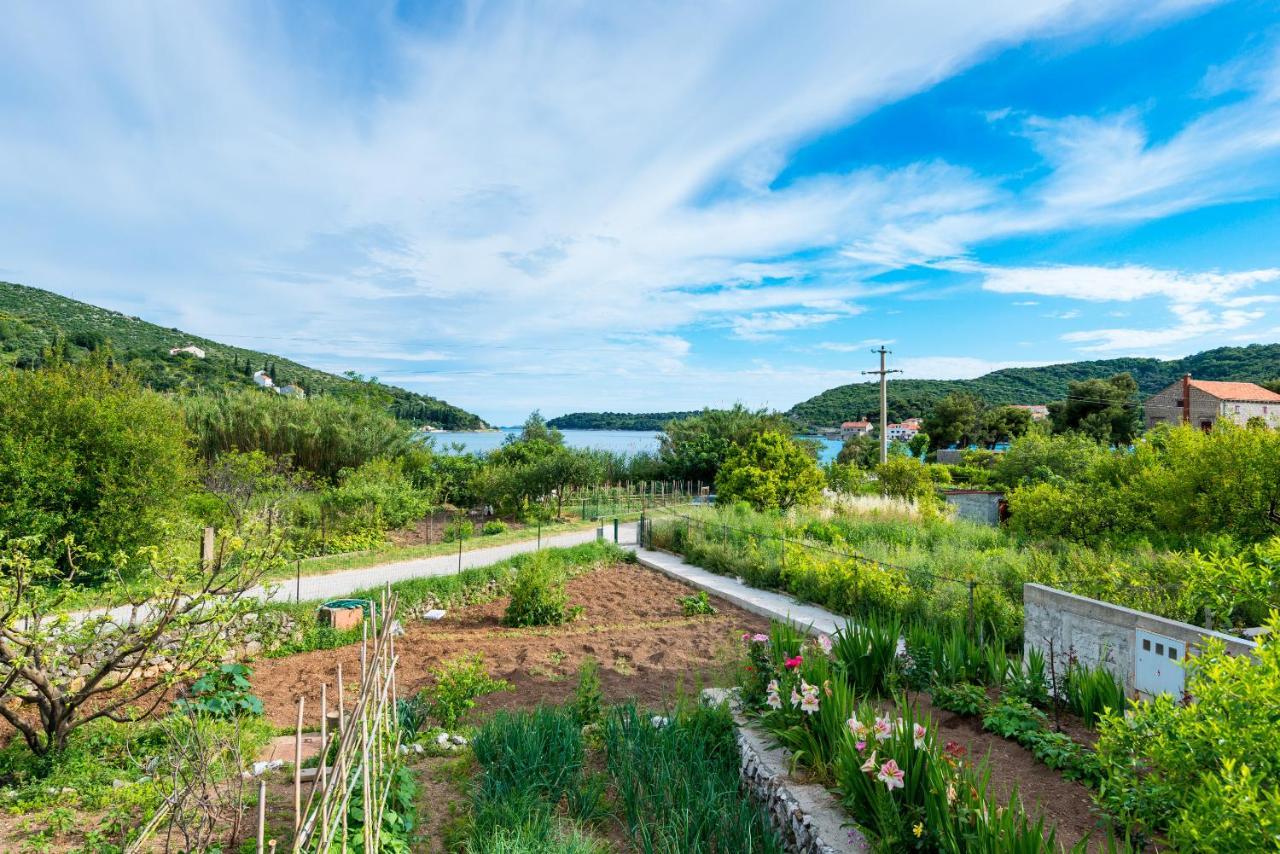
pixel 1158 664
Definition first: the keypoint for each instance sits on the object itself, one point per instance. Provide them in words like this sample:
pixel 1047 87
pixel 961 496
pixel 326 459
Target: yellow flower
pixel 918 830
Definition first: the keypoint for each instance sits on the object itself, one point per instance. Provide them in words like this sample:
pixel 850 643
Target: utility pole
pixel 884 402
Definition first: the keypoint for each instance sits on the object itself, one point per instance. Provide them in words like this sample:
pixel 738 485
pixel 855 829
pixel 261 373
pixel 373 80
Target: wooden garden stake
pixel 297 767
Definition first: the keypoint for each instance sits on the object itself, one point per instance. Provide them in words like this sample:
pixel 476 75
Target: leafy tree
pixel 1004 423
pixel 86 453
pixel 1039 458
pixel 919 444
pixel 860 451
pixel 904 477
pixel 695 448
pixel 535 429
pixel 1107 410
pixel 954 420
pixel 770 471
pixel 65 673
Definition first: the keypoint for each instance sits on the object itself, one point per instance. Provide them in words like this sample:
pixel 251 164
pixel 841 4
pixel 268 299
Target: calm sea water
pixel 620 441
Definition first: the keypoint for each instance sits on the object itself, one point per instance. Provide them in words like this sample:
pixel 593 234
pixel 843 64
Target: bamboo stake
pixel 323 775
pixel 262 815
pixel 297 767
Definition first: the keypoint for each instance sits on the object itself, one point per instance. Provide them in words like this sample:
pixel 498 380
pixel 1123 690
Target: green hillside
pixel 34 323
pixel 616 420
pixel 914 398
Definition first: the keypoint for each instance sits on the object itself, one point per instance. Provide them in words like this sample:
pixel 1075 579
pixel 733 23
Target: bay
pixel 618 441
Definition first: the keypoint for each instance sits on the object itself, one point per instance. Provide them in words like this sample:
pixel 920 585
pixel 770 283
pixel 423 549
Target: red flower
pixel 793 663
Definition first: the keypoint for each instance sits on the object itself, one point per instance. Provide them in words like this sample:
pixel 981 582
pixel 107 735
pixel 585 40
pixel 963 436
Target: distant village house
pixel 263 380
pixel 904 431
pixel 850 429
pixel 190 348
pixel 1039 412
pixel 1203 403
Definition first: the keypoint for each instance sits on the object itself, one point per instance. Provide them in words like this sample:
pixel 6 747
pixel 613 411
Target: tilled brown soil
pixel 633 626
pixel 1066 805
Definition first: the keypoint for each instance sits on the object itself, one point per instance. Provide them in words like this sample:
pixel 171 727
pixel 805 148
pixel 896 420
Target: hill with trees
pixel 1258 363
pixel 37 326
pixel 617 420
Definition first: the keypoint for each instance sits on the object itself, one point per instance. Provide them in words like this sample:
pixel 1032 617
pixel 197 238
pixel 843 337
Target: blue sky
pixel 640 206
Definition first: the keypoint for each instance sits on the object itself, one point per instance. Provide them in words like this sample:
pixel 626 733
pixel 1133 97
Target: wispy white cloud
pixel 537 179
pixel 1202 304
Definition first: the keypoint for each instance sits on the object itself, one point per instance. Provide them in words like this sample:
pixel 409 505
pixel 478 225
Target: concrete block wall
pixel 1102 633
pixel 976 505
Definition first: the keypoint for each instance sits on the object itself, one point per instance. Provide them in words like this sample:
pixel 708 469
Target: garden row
pixel 1196 776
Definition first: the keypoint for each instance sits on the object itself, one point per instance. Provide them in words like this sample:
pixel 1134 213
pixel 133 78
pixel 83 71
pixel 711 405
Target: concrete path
pixel 335 584
pixel 766 603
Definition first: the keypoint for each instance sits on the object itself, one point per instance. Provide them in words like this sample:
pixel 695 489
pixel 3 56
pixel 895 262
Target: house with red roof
pixel 1205 402
pixel 849 429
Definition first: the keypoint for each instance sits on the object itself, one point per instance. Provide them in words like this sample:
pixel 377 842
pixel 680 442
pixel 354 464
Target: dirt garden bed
pixel 633 626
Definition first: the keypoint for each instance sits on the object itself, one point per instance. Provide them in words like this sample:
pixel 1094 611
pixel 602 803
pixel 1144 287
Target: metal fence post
pixel 971 585
pixel 615 530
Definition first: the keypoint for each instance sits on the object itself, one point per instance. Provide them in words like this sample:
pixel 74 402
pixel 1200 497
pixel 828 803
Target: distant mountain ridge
pixel 34 321
pixel 914 398
pixel 616 420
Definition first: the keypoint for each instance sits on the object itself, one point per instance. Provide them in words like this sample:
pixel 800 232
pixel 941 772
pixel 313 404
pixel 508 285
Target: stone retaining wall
pixel 807 816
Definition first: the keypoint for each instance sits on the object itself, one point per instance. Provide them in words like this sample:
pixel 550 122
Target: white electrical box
pixel 1158 664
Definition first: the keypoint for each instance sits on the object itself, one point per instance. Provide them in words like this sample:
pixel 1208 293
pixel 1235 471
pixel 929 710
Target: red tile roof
pixel 1250 392
pixel 856 424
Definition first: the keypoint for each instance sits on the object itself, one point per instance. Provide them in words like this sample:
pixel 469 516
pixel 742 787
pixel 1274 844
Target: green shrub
pixel 492 527
pixel 587 697
pixel 460 528
pixel 964 698
pixel 223 693
pixel 697 605
pixel 1168 766
pixel 1013 717
pixel 87 453
pixel 458 683
pixel 538 597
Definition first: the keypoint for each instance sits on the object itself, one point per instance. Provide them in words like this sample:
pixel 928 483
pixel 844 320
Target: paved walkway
pixel 766 603
pixel 334 584
pixel 774 606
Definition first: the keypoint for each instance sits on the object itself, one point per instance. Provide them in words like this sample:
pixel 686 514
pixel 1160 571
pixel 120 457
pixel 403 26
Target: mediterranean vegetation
pixel 654 421
pixel 38 327
pixel 916 398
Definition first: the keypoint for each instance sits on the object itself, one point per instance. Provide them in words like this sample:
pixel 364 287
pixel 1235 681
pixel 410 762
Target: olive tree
pixel 59 669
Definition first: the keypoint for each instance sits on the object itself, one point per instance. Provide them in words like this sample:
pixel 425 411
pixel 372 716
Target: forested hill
pixel 35 322
pixel 616 420
pixel 914 398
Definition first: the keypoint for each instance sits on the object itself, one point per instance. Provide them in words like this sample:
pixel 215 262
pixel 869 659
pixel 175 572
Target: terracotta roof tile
pixel 1237 391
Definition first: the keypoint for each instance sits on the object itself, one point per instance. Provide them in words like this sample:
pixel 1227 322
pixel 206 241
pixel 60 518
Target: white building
pixel 902 432
pixel 190 348
pixel 1039 412
pixel 849 429
pixel 263 381
pixel 291 390
pixel 1203 402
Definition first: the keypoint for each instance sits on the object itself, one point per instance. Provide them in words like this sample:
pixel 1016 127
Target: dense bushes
pixel 321 435
pixel 1177 486
pixel 1205 773
pixel 87 453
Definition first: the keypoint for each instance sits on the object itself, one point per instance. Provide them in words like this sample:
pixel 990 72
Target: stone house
pixel 1204 402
